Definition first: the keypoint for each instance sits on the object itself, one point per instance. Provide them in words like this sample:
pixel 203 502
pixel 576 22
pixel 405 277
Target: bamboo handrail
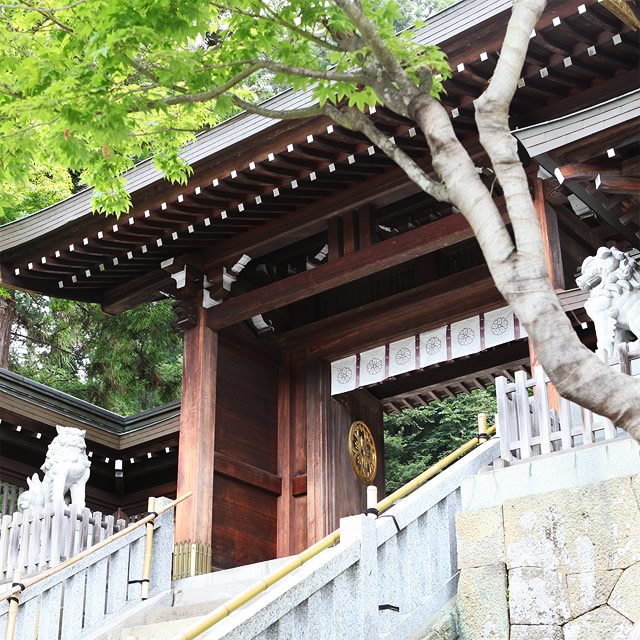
pixel 232 604
pixel 87 552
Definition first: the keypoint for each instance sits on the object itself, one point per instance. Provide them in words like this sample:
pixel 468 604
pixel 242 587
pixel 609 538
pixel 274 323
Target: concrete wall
pixel 550 549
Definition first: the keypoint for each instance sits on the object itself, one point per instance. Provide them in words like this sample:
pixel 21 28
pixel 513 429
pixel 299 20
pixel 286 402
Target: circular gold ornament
pixel 362 451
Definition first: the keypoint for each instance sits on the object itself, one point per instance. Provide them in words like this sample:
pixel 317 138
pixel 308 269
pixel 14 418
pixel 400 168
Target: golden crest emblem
pixel 362 451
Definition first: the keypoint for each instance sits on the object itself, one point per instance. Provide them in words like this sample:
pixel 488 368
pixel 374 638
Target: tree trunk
pixel 7 314
pixel 520 271
pixel 518 267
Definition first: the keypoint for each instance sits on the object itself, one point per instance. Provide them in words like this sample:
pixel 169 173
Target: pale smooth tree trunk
pixel 7 314
pixel 518 267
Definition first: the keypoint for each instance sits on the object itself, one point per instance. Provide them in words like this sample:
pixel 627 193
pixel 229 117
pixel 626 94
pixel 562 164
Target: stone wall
pixel 562 565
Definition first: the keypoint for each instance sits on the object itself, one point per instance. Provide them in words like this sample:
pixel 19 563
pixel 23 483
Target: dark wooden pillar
pixel 552 250
pixel 194 517
pixel 319 480
pixel 292 456
pixel 550 236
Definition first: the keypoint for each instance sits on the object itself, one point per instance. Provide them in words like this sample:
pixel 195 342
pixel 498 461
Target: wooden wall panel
pixel 244 513
pixel 333 489
pixel 244 523
pixel 247 398
pixel 349 494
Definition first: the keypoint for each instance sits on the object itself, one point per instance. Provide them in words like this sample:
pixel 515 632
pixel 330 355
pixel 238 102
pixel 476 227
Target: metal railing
pixel 243 598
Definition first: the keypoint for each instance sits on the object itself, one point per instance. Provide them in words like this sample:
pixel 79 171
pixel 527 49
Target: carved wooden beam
pixel 372 259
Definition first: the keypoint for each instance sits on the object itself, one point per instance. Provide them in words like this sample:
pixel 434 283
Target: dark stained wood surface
pixel 550 236
pixel 244 524
pixel 247 482
pixel 425 307
pixel 353 266
pixel 349 494
pixel 197 434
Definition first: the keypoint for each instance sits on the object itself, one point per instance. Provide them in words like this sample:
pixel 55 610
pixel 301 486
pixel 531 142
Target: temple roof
pixel 261 185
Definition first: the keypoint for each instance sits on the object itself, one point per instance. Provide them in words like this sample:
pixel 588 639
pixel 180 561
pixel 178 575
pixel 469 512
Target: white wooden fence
pixel 43 537
pixel 527 426
pixel 9 494
pixel 383 580
pixel 83 597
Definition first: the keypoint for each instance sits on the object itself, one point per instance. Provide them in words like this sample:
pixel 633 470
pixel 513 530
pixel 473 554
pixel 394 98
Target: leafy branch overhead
pixel 98 83
pixel 101 82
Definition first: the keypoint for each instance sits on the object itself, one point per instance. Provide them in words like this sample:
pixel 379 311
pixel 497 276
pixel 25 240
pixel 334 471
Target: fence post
pixel 161 559
pixel 544 414
pixel 523 413
pixel 364 621
pixel 503 427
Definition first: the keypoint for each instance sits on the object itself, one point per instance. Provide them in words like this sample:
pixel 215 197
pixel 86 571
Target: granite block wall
pixel 562 565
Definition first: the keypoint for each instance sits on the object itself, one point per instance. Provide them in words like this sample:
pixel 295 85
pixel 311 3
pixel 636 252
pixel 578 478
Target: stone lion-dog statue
pixel 66 469
pixel 612 279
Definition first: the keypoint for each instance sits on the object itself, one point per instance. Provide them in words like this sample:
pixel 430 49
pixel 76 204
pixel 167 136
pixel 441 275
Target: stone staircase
pixel 188 600
pixel 393 578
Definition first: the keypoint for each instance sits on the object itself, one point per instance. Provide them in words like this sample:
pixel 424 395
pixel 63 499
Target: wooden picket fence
pixel 43 537
pixel 528 426
pixel 82 597
pixel 9 494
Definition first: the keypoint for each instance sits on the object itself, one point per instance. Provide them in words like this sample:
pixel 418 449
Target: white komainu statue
pixel 613 280
pixel 66 468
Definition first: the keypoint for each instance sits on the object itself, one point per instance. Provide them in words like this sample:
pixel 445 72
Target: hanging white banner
pixel 498 327
pixel 433 347
pixel 372 366
pixel 465 337
pixel 343 375
pixel 402 356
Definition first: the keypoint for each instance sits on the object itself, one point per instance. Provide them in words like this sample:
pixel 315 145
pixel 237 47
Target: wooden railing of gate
pixel 82 594
pixel 528 426
pixel 40 538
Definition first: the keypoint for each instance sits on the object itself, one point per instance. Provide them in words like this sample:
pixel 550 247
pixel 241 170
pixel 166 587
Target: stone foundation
pixel 563 565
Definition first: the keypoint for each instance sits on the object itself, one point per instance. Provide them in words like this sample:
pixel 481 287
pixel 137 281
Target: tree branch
pixel 492 118
pixel 370 35
pixel 355 119
pixel 276 19
pixel 338 76
pixel 34 126
pixel 205 96
pixel 41 9
pixel 285 114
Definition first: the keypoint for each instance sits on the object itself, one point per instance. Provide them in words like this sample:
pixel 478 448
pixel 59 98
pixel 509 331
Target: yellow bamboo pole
pixel 235 603
pixel 430 472
pixel 231 605
pixel 87 552
pixel 148 546
pixel 13 607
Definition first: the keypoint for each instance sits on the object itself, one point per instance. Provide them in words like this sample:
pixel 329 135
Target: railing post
pixel 146 569
pixel 544 414
pixel 363 624
pixel 163 541
pixel 13 607
pixel 524 414
pixel 503 426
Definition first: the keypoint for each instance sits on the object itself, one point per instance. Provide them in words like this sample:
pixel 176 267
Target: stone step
pixel 196 597
pixel 181 612
pixel 157 631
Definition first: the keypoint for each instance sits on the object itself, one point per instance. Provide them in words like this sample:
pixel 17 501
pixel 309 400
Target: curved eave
pixel 553 134
pixel 442 27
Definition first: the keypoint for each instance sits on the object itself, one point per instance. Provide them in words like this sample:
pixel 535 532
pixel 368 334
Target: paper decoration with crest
pixel 343 375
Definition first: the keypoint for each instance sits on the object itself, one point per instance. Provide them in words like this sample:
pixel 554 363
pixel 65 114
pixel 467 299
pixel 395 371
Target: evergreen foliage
pixel 126 363
pixel 417 438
